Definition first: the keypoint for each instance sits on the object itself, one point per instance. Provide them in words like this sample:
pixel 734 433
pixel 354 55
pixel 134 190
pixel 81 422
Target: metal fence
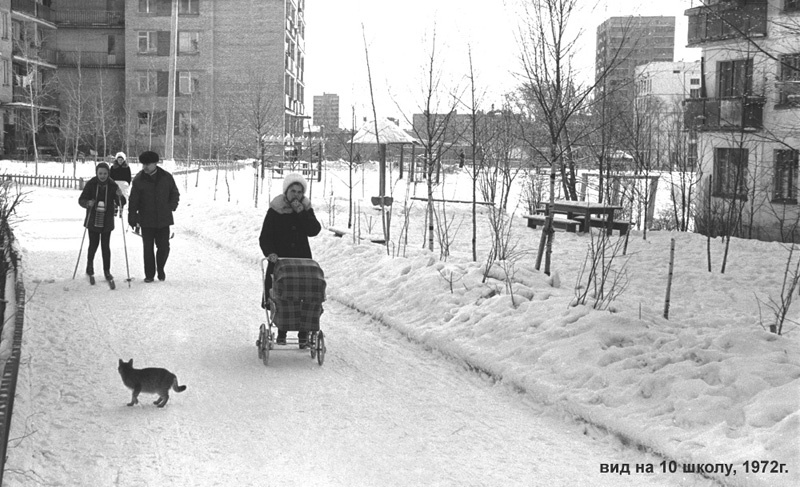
pixel 12 313
pixel 49 181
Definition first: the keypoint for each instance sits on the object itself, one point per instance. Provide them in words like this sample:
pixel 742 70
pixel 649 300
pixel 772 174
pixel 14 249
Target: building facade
pixel 326 111
pixel 624 43
pixel 661 88
pixel 747 117
pixel 222 75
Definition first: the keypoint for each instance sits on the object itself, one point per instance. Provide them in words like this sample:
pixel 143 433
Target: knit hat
pixel 294 178
pixel 122 155
pixel 148 157
pixel 101 165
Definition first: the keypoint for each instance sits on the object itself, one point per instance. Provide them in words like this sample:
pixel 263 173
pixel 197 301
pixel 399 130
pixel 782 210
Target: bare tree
pixel 550 88
pixel 431 128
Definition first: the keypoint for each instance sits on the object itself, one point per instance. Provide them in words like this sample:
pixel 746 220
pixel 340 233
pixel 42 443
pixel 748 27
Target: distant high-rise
pixel 326 111
pixel 626 42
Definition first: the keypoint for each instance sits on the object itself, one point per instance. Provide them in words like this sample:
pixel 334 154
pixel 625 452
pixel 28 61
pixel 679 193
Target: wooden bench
pixel 340 232
pixel 560 223
pixel 620 226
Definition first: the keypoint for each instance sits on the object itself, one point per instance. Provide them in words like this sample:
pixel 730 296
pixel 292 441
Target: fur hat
pixel 122 155
pixel 101 165
pixel 148 157
pixel 294 178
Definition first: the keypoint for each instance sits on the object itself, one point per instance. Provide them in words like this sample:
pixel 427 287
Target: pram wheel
pixel 318 348
pixel 263 343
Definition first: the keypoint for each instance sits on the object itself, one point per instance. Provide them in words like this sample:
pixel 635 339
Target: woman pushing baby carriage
pixel 289 222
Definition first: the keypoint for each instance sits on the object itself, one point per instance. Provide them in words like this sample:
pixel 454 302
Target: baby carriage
pixel 293 304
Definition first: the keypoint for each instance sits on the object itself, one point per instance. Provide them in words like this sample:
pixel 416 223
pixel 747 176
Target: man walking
pixel 154 196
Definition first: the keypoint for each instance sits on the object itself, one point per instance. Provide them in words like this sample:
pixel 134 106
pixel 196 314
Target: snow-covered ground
pixel 707 387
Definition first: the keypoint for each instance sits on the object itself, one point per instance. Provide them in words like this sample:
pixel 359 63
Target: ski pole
pixel 80 252
pixel 85 221
pixel 125 245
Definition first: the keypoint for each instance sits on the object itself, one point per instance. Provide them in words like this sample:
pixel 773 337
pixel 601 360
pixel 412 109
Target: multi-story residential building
pixel 27 98
pixel 224 75
pixel 326 111
pixel 624 43
pixel 661 88
pixel 747 117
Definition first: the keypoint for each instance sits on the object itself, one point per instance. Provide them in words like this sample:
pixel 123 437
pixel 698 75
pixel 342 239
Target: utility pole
pixel 169 139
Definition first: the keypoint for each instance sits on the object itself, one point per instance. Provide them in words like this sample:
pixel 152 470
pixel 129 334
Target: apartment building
pixel 624 43
pixel 26 101
pixel 661 88
pixel 747 117
pixel 222 74
pixel 326 111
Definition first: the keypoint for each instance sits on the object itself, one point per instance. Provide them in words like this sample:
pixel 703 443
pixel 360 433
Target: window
pixel 148 42
pixel 789 86
pixel 188 83
pixel 785 176
pixel 147 6
pixel 694 81
pixel 735 78
pixel 694 93
pixel 154 123
pixel 4 27
pixel 791 5
pixel 188 6
pixel 144 121
pixel 6 73
pixel 147 81
pixel 184 122
pixel 730 173
pixel 188 42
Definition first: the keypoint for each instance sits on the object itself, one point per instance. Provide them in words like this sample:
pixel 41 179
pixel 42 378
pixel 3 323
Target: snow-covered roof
pixel 388 132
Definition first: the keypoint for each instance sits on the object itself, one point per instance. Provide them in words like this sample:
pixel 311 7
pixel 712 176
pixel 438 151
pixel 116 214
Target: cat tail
pixel 176 387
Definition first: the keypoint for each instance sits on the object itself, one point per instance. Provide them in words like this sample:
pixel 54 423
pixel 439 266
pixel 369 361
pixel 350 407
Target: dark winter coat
pixel 97 191
pixel 285 232
pixel 153 199
pixel 120 173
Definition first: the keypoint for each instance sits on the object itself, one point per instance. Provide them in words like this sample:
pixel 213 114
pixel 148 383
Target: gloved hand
pixel 132 220
pixel 297 206
pixel 272 258
pixel 89 203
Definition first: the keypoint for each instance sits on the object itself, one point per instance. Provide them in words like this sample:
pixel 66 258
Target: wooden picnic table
pixel 587 212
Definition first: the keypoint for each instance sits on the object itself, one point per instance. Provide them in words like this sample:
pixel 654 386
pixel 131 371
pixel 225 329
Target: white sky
pixel 396 32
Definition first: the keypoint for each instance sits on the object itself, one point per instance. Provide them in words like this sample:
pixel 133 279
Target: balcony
pixel 729 19
pixel 724 114
pixel 89 18
pixel 22 96
pixel 88 59
pixel 34 54
pixel 30 7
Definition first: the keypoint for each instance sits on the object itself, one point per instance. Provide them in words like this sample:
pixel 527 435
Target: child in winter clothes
pixel 121 173
pixel 289 222
pixel 100 197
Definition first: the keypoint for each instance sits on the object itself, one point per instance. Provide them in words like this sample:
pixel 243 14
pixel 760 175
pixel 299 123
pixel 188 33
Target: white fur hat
pixel 294 178
pixel 122 155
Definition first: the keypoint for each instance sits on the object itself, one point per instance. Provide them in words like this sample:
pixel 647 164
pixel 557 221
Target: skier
pixel 100 197
pixel 289 222
pixel 154 196
pixel 121 173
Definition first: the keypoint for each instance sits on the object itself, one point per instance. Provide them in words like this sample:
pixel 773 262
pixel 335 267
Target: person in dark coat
pixel 101 196
pixel 289 222
pixel 121 172
pixel 154 196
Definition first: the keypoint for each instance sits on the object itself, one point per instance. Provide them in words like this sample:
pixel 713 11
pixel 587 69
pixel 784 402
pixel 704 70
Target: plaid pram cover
pixel 298 287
